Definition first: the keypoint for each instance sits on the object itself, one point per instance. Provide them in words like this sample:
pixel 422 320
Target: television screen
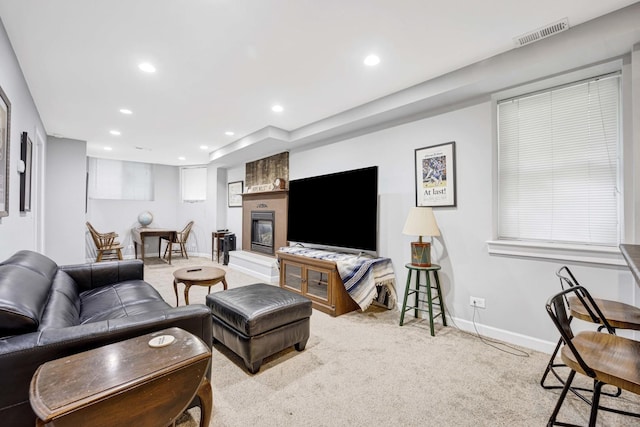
pixel 339 209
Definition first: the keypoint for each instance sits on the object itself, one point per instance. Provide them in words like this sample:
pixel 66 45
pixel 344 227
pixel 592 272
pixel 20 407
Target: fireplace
pixel 262 229
pixel 264 222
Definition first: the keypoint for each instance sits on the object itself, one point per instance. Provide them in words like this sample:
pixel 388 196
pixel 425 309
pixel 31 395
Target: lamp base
pixel 421 254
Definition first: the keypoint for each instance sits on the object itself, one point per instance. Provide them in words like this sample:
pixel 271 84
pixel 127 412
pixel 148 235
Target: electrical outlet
pixel 476 302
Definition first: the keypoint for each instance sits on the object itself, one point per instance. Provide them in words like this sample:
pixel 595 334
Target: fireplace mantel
pixel 275 201
pixel 256 194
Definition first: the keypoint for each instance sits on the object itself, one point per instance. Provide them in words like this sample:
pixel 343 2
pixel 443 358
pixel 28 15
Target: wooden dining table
pixel 631 254
pixel 141 233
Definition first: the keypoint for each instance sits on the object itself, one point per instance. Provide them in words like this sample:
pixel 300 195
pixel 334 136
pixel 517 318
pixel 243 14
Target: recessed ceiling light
pixel 147 67
pixel 372 60
pixel 229 133
pixel 277 109
pixel 204 147
pixel 182 158
pixel 126 111
pixel 108 148
pixel 114 132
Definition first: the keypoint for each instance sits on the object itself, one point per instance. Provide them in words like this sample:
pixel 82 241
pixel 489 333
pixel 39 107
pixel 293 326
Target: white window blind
pixel 194 184
pixel 558 164
pixel 120 180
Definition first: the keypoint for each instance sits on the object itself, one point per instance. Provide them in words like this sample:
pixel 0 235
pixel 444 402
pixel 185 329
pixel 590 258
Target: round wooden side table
pixel 200 276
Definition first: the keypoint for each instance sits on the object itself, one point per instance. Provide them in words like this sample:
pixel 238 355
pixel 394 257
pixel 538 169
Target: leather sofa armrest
pixel 98 274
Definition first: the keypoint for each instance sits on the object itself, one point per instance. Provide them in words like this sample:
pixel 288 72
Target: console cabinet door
pixel 318 284
pixel 293 276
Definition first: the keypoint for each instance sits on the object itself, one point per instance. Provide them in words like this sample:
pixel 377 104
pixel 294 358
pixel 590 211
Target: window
pixel 558 166
pixel 194 184
pixel 120 180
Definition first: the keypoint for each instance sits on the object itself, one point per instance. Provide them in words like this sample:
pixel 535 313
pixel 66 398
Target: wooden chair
pixel 603 356
pixel 619 316
pixel 181 240
pixel 106 244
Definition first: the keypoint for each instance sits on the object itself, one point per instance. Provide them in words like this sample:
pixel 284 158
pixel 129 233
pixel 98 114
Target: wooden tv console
pixel 317 280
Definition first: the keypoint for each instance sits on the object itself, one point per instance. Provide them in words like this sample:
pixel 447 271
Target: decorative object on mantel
pixel 260 188
pixel 279 184
pixel 421 222
pixel 145 218
pixel 234 194
pixel 435 169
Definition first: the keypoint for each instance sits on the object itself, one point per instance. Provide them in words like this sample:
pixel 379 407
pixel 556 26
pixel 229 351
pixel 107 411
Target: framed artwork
pixel 436 175
pixel 5 133
pixel 26 151
pixel 235 194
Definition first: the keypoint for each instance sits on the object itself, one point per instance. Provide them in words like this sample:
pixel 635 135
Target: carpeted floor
pixel 364 369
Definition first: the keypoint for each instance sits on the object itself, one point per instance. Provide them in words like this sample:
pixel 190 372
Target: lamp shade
pixel 421 222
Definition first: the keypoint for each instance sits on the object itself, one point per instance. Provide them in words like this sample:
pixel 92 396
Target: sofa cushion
pixel 63 308
pixel 35 262
pixel 23 295
pixel 124 299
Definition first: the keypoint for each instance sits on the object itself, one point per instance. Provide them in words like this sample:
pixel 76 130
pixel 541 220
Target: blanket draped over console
pixel 367 279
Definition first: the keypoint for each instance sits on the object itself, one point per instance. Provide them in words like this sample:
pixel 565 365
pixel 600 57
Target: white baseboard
pixel 506 336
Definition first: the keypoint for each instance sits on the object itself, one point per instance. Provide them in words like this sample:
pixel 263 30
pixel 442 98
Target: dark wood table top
pixel 139 232
pixel 122 383
pixel 631 254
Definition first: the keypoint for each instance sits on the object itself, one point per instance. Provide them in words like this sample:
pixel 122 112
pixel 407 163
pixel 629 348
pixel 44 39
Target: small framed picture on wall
pixel 235 194
pixel 435 169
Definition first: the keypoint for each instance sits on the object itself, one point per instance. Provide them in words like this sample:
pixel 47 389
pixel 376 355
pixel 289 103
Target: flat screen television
pixel 338 210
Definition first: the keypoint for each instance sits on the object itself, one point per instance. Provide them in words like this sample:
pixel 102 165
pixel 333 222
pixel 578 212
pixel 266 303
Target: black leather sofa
pixel 47 312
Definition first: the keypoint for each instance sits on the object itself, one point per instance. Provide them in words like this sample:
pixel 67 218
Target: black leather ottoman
pixel 259 320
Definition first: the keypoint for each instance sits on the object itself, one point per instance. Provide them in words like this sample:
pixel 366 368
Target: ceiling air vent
pixel 541 33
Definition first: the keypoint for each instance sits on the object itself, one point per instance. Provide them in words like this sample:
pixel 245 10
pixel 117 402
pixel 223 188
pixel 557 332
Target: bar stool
pixel 425 289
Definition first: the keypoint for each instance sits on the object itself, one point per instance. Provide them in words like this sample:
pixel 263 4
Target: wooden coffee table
pixel 200 276
pixel 129 382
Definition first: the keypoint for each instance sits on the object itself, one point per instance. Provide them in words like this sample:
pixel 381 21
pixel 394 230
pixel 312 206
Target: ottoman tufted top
pixel 257 308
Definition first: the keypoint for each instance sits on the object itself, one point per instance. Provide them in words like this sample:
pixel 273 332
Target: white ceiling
pixel 222 64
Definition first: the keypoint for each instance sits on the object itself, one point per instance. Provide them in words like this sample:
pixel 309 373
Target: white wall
pixel 65 200
pixel 18 230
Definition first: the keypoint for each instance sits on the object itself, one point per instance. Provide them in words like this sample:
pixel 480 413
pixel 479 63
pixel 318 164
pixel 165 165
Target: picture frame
pixel 435 175
pixel 26 155
pixel 5 145
pixel 235 194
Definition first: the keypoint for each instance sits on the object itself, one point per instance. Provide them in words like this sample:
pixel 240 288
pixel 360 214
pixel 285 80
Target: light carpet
pixel 365 369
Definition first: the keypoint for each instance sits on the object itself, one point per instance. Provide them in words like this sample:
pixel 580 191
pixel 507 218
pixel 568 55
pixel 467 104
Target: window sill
pixel 607 255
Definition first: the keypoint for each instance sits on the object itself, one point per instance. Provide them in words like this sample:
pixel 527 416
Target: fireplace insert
pixel 262 225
